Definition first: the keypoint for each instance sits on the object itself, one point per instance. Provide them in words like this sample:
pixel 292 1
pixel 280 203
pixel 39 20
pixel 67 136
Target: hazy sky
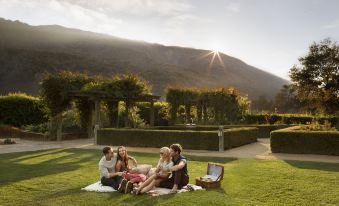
pixel 268 34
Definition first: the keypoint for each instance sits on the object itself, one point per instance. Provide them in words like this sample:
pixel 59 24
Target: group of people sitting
pixel 116 171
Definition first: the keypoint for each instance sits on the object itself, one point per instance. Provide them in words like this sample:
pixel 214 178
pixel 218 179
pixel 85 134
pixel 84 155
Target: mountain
pixel 27 51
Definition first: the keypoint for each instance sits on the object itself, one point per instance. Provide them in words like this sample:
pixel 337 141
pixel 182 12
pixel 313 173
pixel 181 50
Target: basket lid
pixel 216 170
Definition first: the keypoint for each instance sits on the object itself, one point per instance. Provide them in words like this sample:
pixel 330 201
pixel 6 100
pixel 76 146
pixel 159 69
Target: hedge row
pixel 287 119
pixel 200 140
pixel 21 109
pixel 7 131
pixel 240 136
pixel 263 130
pixel 291 140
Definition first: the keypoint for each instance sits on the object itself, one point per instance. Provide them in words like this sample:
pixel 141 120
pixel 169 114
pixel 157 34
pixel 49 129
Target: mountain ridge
pixel 31 50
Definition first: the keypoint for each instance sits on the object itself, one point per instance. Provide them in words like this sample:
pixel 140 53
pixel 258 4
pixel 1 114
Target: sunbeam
pixel 213 55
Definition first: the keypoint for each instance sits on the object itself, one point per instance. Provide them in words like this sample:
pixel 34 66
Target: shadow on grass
pixel 146 199
pixel 222 160
pixel 330 167
pixel 42 153
pixel 13 170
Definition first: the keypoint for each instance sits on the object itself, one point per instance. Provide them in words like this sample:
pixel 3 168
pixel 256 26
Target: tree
pixel 316 79
pixel 286 100
pixel 262 104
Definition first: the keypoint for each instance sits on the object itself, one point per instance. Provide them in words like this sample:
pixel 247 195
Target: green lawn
pixel 54 177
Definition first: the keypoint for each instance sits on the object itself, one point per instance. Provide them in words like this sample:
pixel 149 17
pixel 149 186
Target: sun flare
pixel 213 54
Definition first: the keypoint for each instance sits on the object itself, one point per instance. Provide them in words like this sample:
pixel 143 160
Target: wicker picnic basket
pixel 213 169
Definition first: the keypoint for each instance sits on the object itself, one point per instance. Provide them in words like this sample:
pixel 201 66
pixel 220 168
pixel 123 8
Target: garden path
pixel 257 150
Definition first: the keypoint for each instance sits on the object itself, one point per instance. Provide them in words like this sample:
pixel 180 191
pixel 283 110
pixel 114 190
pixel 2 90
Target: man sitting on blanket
pixel 107 163
pixel 179 171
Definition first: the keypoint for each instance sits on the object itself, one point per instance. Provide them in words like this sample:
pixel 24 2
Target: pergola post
pixel 90 125
pixel 337 115
pixel 152 114
pixel 221 139
pixel 188 113
pixel 126 114
pixel 59 127
pixel 199 112
pixel 173 113
pixel 117 114
pixel 97 119
pixel 113 112
pixel 204 110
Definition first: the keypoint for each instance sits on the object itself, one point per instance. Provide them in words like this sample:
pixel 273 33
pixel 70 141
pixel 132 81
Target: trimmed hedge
pixel 21 109
pixel 240 136
pixel 263 130
pixel 305 142
pixel 188 127
pixel 200 140
pixel 287 119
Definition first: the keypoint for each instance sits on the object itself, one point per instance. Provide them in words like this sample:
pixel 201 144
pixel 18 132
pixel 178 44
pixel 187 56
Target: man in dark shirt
pixel 179 171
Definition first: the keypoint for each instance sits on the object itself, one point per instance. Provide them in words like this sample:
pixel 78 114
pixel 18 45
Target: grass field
pixel 54 177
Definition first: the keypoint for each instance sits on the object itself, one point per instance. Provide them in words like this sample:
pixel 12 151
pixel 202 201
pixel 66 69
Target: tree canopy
pixel 316 79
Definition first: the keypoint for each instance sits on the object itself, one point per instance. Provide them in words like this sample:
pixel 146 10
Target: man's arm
pixel 178 167
pixel 114 174
pixel 105 173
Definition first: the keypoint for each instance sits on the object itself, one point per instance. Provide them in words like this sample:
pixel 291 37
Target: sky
pixel 268 34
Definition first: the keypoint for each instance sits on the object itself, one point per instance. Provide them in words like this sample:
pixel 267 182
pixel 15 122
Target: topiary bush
pixel 287 119
pixel 293 140
pixel 9 141
pixel 19 109
pixel 201 140
pixel 262 132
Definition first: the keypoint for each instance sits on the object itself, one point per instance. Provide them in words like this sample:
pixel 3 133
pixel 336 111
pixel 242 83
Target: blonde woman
pixel 164 164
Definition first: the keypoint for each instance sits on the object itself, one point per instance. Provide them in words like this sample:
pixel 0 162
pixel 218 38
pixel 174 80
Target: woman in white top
pixel 164 163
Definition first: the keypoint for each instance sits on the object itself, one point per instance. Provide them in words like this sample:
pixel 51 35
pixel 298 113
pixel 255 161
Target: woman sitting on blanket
pixel 122 165
pixel 165 162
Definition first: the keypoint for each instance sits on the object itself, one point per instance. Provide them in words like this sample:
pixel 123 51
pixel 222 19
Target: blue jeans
pixel 113 181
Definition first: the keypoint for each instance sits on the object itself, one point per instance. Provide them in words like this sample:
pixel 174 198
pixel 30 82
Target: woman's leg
pixel 147 188
pixel 154 183
pixel 147 182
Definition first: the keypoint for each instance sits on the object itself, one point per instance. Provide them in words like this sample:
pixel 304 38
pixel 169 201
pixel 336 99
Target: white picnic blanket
pixel 98 187
pixel 164 191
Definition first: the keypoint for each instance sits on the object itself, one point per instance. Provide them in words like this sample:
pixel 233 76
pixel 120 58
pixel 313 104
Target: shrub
pixel 239 136
pixel 39 128
pixel 263 130
pixel 292 140
pixel 21 109
pixel 9 141
pixel 316 126
pixel 161 113
pixel 287 119
pixel 203 140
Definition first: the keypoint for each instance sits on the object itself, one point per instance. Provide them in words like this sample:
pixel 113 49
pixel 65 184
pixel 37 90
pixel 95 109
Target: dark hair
pixel 106 150
pixel 176 148
pixel 123 159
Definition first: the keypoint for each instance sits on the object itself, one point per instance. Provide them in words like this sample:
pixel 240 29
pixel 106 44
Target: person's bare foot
pixel 136 191
pixel 174 189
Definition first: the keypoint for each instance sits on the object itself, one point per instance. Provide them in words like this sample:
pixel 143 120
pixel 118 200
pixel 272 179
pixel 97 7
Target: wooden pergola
pixel 97 97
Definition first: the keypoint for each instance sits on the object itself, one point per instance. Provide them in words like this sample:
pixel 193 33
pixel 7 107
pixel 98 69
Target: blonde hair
pixel 166 152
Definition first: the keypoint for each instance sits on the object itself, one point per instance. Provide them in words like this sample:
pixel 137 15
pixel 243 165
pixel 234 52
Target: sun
pixel 215 52
pixel 213 55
